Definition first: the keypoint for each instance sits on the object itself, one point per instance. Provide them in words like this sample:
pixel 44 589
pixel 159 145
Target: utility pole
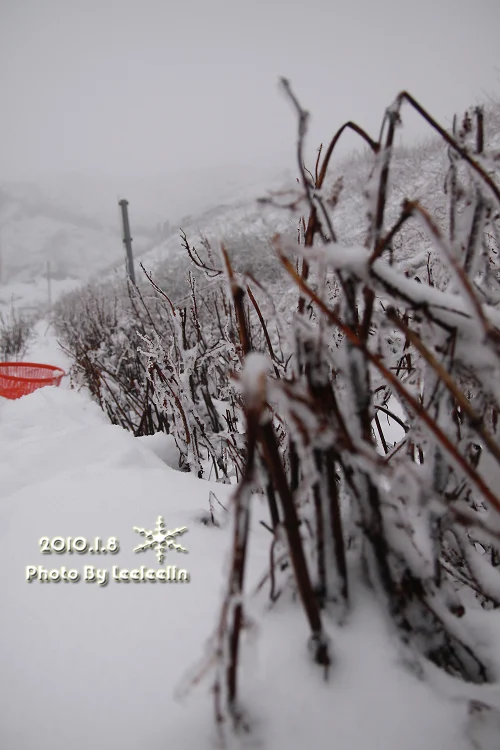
pixel 127 240
pixel 49 291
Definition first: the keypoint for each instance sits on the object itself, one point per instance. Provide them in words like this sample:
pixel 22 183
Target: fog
pixel 147 88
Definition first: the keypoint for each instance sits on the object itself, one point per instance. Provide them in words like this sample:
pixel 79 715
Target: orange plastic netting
pixel 20 378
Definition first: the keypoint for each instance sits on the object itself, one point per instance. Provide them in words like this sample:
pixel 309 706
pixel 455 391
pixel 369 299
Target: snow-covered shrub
pixel 404 326
pixel 16 334
pixel 191 370
pixel 100 328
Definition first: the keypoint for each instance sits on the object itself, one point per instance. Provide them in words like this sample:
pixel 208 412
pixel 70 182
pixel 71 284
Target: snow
pixel 84 664
pixel 45 349
pixel 253 379
pixel 162 446
pixel 80 659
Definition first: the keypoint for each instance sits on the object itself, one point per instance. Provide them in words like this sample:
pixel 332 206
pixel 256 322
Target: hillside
pixel 246 226
pixel 35 231
pixel 74 223
pixel 69 221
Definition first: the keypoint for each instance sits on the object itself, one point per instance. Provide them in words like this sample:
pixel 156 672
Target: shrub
pixel 16 334
pixel 404 324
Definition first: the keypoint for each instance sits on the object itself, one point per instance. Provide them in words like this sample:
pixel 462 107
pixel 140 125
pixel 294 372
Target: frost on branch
pixel 432 348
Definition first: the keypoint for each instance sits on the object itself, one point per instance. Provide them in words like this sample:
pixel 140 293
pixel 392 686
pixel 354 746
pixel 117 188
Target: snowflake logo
pixel 160 539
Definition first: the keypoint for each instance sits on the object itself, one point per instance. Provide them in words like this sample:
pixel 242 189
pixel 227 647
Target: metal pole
pixel 127 240
pixel 48 285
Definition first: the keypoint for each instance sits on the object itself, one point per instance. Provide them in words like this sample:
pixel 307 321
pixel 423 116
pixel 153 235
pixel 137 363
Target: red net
pixel 20 378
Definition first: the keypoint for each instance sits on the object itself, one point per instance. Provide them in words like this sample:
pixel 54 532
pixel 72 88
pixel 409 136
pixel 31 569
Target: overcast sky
pixel 145 86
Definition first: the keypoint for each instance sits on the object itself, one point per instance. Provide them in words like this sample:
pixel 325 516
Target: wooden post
pixel 127 240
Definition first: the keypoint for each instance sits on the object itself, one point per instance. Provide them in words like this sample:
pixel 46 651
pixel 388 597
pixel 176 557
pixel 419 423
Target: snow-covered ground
pixel 83 664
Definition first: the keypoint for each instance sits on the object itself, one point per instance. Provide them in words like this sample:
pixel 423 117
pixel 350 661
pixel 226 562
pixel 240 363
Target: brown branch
pixel 475 420
pixel 396 383
pixel 405 96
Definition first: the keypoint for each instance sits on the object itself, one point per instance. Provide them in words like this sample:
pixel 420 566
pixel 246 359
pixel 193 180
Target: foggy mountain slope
pixel 34 231
pixel 240 225
pixel 166 196
pixel 81 243
pixel 74 221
